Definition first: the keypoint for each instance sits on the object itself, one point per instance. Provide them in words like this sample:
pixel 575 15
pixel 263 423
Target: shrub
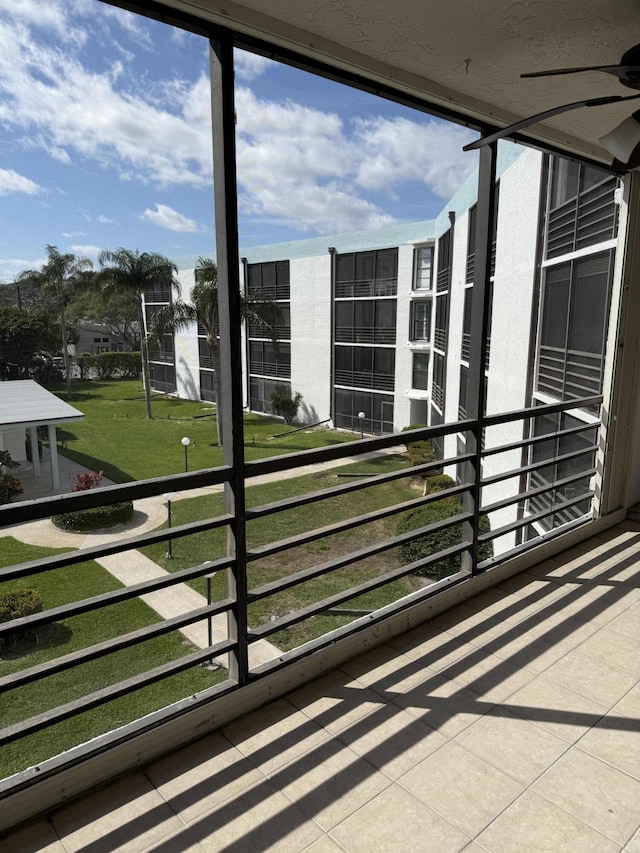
pixel 437 483
pixel 420 452
pixel 16 603
pixel 88 480
pixel 430 543
pixel 9 488
pixel 284 404
pixel 95 518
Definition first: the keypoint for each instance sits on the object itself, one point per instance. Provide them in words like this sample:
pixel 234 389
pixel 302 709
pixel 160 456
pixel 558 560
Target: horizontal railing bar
pixel 269 628
pixel 83 555
pixel 272 464
pixel 546 409
pixel 16 513
pixel 114 596
pixel 527 545
pixel 336 491
pixel 124 641
pixel 350 523
pixel 538 490
pixel 107 694
pixel 515 472
pixel 538 439
pixel 267 589
pixel 515 525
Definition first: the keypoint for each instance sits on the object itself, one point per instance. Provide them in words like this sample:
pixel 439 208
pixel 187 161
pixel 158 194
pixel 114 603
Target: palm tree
pixel 124 271
pixel 58 280
pixel 204 310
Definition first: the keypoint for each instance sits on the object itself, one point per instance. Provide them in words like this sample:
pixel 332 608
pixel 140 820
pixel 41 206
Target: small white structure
pixel 24 406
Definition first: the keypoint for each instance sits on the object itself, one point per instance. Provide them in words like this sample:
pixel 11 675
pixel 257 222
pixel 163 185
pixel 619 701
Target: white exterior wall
pixel 14 440
pixel 404 355
pixel 311 311
pixel 186 347
pixel 513 293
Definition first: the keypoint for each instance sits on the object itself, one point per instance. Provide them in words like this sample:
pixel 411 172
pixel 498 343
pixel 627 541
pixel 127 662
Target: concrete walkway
pixel 131 567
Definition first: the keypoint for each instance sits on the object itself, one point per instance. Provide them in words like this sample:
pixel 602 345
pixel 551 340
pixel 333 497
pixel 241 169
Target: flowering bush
pixel 88 480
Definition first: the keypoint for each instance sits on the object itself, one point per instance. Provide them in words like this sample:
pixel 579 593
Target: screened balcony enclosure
pixel 476 610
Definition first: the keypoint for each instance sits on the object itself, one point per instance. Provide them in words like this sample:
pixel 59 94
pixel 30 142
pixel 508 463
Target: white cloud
pixel 86 250
pixel 10 268
pixel 105 220
pixel 70 234
pixel 166 217
pixel 248 66
pixel 397 150
pixel 295 164
pixel 63 107
pixel 12 182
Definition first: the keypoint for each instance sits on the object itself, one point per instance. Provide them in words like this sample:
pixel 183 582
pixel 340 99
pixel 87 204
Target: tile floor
pixel 511 723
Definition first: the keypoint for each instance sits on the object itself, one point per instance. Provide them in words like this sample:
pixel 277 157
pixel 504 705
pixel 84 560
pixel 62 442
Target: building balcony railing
pixel 365 379
pixel 263 332
pixel 255 603
pixel 366 288
pixel 270 369
pixel 569 373
pixel 162 356
pixel 584 220
pixel 440 339
pixel 364 335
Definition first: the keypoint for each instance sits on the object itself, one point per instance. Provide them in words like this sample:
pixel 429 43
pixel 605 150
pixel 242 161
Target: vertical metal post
pixel 169 541
pixel 228 260
pixel 477 382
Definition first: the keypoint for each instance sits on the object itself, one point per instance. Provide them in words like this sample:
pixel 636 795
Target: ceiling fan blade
pixel 525 122
pixel 616 70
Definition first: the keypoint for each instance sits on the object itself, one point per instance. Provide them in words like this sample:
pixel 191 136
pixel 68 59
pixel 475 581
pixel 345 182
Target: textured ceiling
pixel 464 53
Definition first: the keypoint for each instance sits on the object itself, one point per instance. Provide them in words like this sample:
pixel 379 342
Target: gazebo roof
pixel 24 403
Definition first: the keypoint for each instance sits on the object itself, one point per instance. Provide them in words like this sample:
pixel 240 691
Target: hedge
pixel 14 604
pixel 420 452
pixel 110 365
pixel 431 543
pixel 94 518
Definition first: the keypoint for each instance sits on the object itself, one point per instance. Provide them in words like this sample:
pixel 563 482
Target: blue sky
pixel 105 141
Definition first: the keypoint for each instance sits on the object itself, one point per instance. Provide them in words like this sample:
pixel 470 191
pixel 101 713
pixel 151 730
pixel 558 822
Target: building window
pixel 462 400
pixel 421 321
pixel 437 391
pixel 365 321
pixel 420 377
pixel 269 280
pixel 260 391
pixel 208 386
pixel 437 442
pixel 377 408
pixel 363 274
pixel 422 279
pixel 575 307
pixel 365 367
pixel 578 450
pixel 582 211
pixel 267 359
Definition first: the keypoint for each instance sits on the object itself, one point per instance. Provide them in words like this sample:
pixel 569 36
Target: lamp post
pixel 186 441
pixel 169 496
pixel 362 416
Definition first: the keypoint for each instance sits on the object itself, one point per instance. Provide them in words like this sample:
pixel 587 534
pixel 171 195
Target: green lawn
pixel 117 439
pixel 200 547
pixel 59 587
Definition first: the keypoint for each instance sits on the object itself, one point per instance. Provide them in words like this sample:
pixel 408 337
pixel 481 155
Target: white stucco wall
pixel 311 335
pixel 186 344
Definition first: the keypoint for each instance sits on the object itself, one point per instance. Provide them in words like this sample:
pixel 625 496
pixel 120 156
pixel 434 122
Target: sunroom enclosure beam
pixel 229 408
pixel 477 380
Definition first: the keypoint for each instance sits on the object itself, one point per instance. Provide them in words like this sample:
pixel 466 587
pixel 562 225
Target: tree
pixel 23 335
pixel 285 404
pixel 205 311
pixel 58 280
pixel 117 312
pixel 126 272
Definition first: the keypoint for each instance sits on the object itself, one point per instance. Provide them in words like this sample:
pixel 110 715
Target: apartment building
pixel 375 328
